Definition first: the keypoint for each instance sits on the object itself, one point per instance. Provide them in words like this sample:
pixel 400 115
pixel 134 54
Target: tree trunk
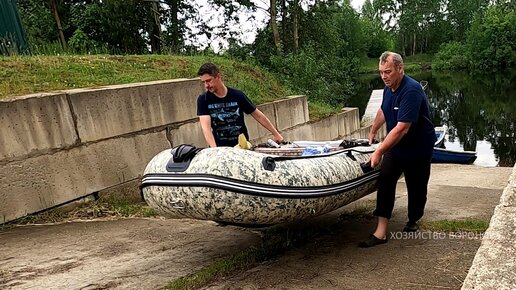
pixel 274 26
pixel 53 4
pixel 174 11
pixel 284 22
pixel 402 45
pixel 424 44
pixel 155 40
pixel 296 25
pixel 414 45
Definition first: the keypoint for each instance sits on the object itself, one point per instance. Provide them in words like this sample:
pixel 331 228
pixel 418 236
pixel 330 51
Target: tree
pixel 460 13
pixel 115 23
pixel 155 36
pixel 492 39
pixel 376 39
pixel 295 26
pixel 327 55
pixel 39 16
pixel 415 23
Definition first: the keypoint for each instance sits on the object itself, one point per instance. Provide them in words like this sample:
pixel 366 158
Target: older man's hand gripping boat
pixel 247 188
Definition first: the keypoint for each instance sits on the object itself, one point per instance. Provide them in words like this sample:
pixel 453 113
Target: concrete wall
pixel 35 124
pixel 494 266
pixel 55 148
pixel 117 110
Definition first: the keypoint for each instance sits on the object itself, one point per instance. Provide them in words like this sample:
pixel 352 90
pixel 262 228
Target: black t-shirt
pixel 409 104
pixel 227 118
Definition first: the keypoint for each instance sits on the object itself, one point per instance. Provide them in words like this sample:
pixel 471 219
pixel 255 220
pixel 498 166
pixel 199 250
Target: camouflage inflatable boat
pixel 248 188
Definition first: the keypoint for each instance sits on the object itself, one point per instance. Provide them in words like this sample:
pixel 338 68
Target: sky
pixel 247 28
pixel 357 4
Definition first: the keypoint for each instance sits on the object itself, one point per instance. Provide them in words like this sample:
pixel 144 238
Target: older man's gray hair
pixel 395 57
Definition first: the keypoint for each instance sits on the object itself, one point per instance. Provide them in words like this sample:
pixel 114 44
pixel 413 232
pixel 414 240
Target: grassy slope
pixel 21 75
pixel 33 74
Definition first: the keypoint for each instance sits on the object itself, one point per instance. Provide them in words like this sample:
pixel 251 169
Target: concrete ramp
pixel 494 266
pixel 375 101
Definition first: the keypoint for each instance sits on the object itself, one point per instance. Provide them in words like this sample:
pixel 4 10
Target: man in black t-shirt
pixel 407 148
pixel 221 110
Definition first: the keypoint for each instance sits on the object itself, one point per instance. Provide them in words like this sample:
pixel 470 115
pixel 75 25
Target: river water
pixel 479 111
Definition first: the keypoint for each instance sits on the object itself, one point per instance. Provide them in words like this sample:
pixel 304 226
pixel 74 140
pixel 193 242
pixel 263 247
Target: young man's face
pixel 390 73
pixel 211 83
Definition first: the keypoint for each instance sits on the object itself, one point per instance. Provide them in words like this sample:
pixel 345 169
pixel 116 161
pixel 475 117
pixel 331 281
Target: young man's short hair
pixel 208 68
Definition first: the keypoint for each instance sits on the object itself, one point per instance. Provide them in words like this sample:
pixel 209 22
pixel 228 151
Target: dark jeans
pixel 417 173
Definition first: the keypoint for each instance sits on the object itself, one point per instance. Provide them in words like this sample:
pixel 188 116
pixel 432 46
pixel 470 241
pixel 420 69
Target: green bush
pixel 80 43
pixel 451 56
pixel 324 79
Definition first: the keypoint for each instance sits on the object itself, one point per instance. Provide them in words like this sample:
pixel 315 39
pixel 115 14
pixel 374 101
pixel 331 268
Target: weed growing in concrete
pixel 275 240
pixel 360 210
pixel 101 208
pixel 466 225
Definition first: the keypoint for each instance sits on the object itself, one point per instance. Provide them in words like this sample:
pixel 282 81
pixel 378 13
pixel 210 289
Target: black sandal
pixel 372 241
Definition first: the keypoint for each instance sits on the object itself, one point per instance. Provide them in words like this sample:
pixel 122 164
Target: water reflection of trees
pixel 476 108
pixel 363 87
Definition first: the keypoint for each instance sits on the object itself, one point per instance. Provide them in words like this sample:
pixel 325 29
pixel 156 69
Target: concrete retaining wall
pixel 59 147
pixel 35 124
pixel 55 148
pixel 494 266
pixel 117 110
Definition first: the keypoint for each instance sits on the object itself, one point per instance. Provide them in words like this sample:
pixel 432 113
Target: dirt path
pixel 146 253
pixel 335 262
pixel 430 261
pixel 124 254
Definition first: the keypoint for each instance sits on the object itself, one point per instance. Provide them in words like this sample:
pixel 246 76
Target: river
pixel 479 111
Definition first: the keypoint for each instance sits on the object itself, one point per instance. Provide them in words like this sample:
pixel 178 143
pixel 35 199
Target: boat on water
pixel 250 188
pixel 441 155
pixel 440 133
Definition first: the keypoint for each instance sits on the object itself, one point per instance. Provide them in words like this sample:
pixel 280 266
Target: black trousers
pixel 417 173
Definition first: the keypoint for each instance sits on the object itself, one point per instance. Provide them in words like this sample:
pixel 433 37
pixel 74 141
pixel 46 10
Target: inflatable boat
pixel 249 188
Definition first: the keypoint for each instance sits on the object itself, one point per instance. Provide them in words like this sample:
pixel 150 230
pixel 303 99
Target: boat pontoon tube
pixel 250 188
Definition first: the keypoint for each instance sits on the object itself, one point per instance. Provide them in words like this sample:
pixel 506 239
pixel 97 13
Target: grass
pixel 275 240
pixel 22 75
pixel 466 225
pixel 103 207
pixel 414 63
pixel 362 208
pixel 369 65
pixel 242 260
pixel 319 110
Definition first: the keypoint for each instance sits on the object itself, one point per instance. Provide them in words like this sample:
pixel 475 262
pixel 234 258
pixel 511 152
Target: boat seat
pixel 181 157
pixel 184 152
pixel 354 143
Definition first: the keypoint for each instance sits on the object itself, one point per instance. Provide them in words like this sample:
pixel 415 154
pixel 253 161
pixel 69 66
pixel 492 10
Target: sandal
pixel 372 241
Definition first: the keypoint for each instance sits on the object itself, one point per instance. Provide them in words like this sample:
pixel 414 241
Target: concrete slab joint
pixel 117 110
pixel 290 112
